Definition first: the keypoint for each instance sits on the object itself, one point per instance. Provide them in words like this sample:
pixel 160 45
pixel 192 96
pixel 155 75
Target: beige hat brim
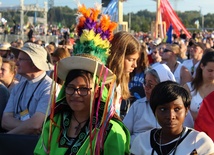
pixel 5 49
pixel 78 62
pixel 42 65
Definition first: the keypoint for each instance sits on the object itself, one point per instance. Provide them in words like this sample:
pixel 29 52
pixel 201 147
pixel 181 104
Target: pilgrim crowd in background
pixel 163 93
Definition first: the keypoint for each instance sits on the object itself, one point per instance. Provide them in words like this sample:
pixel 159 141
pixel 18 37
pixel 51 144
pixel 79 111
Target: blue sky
pixel 206 6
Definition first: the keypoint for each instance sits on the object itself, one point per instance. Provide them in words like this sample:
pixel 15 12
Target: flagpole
pixel 159 24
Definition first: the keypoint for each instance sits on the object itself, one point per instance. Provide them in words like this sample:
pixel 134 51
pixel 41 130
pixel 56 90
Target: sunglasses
pixel 167 50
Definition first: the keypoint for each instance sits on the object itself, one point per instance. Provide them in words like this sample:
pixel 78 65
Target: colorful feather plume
pixel 94 33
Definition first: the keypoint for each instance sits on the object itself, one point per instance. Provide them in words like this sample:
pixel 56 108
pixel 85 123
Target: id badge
pixel 24 115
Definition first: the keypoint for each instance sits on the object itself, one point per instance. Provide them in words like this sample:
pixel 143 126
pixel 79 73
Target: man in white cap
pixel 26 108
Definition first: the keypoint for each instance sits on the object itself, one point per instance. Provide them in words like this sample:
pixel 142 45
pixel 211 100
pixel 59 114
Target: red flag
pixel 170 17
pixel 205 119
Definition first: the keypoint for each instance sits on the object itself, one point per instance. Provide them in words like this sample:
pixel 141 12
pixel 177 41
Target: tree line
pixel 140 21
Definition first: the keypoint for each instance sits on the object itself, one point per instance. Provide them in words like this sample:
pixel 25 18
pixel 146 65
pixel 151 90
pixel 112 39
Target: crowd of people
pixel 109 93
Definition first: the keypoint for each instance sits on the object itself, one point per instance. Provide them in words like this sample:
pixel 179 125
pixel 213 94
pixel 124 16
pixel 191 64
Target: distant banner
pixel 112 10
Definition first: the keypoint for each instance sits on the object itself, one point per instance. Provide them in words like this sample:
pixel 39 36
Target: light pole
pixel 202 18
pixel 22 18
pixel 130 20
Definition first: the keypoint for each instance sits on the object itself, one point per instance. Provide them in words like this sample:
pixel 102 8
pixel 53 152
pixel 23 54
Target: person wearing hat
pixel 196 52
pixel 5 51
pixel 83 120
pixel 26 108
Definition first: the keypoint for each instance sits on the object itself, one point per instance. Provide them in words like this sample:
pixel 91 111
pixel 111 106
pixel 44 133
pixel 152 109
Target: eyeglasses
pixel 166 50
pixel 82 91
pixel 148 85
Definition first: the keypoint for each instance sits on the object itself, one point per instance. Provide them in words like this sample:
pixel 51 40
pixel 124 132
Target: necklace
pixel 174 148
pixel 78 127
pixel 174 68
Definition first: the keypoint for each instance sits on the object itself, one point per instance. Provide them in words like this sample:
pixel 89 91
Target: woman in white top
pixel 202 84
pixel 170 103
pixel 170 56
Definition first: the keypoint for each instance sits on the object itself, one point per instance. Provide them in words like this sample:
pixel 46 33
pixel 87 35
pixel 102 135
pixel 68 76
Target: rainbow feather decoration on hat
pixel 95 31
pixel 94 35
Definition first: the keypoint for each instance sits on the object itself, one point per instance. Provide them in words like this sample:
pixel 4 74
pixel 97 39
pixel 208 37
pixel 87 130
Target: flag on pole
pixel 169 34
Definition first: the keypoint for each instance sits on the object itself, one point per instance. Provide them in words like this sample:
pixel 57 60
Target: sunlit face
pixel 208 72
pixel 24 63
pixel 6 74
pixel 149 84
pixel 171 116
pixel 167 55
pixel 161 49
pixel 76 102
pixel 130 62
pixel 196 52
pixel 191 51
pixel 155 54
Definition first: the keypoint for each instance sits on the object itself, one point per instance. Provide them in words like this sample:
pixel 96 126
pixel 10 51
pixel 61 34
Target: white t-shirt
pixel 196 99
pixel 189 64
pixel 194 140
pixel 177 73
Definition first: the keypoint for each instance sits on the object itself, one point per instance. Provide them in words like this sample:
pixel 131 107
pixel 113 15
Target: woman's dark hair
pixel 76 73
pixel 166 92
pixel 198 80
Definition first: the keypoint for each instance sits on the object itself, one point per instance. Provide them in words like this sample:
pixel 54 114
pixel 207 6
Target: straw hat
pixel 84 63
pixel 5 46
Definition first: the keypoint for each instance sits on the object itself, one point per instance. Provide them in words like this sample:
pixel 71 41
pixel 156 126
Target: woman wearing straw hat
pixel 83 120
pixel 5 51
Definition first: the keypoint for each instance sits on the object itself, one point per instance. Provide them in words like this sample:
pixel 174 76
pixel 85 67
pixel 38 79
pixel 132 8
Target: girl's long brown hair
pixel 123 44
